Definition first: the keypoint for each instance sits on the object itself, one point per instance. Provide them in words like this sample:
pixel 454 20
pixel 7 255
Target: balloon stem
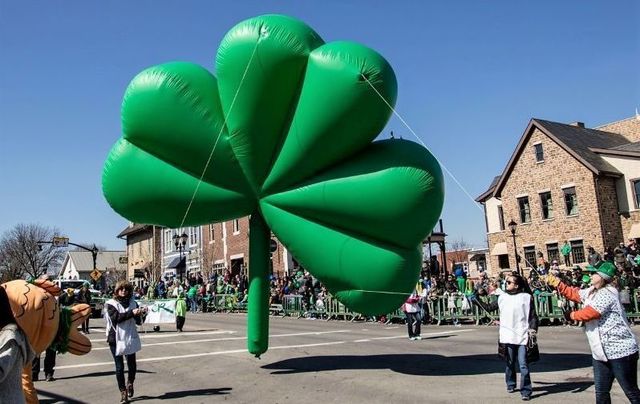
pixel 259 270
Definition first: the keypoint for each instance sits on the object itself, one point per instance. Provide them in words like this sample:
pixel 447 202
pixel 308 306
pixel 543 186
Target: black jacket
pixel 116 317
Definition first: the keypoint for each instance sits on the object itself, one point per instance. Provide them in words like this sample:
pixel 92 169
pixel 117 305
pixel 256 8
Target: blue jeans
pixel 131 365
pixel 624 370
pixel 519 353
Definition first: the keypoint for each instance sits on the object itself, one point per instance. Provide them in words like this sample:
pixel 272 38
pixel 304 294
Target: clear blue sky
pixel 470 76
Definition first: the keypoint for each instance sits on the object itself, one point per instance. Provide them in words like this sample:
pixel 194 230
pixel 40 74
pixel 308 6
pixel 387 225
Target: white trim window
pixel 524 209
pixel 193 236
pixel 546 203
pixel 539 152
pixel 635 187
pixel 570 201
pixel 168 240
pixel 236 226
pixel 212 234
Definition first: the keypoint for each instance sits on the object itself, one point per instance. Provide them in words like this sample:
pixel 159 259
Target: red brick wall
pixel 236 244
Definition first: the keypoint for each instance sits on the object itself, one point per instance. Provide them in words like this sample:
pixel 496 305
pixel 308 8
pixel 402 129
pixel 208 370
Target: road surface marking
pixel 226 339
pixel 234 351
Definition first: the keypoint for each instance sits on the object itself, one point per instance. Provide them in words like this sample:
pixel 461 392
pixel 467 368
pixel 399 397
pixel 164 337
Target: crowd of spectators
pixel 308 290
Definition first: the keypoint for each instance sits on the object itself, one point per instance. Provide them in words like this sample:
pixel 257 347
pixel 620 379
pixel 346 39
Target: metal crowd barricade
pixel 336 310
pixel 547 307
pixel 292 305
pixel 442 312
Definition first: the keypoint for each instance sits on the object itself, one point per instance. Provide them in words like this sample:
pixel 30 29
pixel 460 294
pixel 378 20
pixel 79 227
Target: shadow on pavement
pixel 545 388
pixel 425 364
pixel 99 374
pixel 56 398
pixel 185 394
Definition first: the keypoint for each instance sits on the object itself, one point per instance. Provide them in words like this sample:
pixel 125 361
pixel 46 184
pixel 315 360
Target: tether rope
pixel 224 124
pixel 422 143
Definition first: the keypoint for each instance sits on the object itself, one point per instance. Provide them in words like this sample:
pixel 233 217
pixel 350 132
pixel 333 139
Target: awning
pixel 477 257
pixel 499 249
pixel 177 262
pixel 635 231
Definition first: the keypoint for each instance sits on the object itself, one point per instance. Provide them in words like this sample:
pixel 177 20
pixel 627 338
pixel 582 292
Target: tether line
pixel 422 143
pixel 224 124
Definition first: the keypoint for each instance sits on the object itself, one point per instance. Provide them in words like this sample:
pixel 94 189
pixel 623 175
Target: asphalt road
pixel 313 361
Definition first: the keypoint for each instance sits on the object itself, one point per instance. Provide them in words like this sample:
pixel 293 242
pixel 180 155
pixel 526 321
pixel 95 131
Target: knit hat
pixel 604 268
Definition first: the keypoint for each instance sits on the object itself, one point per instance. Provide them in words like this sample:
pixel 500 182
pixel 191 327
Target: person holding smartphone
pixel 122 315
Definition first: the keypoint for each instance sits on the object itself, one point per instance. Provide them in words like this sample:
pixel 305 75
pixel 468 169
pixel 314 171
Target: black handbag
pixel 533 353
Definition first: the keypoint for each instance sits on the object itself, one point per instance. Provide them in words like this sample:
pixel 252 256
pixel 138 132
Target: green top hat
pixel 604 268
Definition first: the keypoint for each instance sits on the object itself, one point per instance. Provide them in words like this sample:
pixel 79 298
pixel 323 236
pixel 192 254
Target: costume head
pixel 38 314
pixel 35 309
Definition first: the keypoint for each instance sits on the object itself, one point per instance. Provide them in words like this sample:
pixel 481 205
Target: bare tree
pixel 21 256
pixel 458 251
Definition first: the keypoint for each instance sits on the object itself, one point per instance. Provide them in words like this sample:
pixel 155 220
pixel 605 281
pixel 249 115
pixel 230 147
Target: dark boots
pixel 124 397
pixel 130 389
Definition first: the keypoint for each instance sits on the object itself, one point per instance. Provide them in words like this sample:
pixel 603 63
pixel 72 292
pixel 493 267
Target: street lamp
pixel 512 226
pixel 180 243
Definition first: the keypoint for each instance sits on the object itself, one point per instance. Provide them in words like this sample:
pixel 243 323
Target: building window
pixel 212 236
pixel 501 217
pixel 503 261
pixel 539 152
pixel 193 236
pixel 530 256
pixel 547 205
pixel 525 210
pixel 577 251
pixel 553 252
pixel 236 226
pixel 571 201
pixel 636 193
pixel 168 240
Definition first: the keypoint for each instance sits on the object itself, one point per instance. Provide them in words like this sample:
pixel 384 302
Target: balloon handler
pixel 31 322
pixel 613 345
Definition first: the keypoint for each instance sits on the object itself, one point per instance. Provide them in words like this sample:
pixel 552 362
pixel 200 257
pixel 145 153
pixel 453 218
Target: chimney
pixel 578 124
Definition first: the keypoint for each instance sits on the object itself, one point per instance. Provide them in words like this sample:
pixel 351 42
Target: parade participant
pixel 15 353
pixel 518 320
pixel 613 345
pixel 181 312
pixel 84 296
pixel 43 322
pixel 122 314
pixel 67 299
pixel 411 309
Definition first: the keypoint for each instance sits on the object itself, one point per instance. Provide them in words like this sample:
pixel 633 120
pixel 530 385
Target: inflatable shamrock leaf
pixel 284 134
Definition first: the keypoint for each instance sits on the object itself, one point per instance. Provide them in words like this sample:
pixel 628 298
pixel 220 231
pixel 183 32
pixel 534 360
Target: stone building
pixel 143 252
pixel 565 182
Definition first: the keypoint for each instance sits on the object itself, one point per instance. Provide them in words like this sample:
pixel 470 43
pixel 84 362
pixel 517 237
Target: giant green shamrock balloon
pixel 290 121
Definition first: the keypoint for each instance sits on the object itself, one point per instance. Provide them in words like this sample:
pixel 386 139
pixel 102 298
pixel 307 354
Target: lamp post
pixel 180 243
pixel 512 226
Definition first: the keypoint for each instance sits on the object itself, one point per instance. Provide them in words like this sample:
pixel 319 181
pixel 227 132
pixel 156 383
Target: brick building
pixel 565 182
pixel 226 245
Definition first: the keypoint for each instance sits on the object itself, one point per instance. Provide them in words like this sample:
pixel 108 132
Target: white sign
pixel 60 242
pixel 161 311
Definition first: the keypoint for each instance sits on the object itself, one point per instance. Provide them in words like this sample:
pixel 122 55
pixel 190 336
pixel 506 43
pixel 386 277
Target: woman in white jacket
pixel 122 314
pixel 613 346
pixel 517 320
